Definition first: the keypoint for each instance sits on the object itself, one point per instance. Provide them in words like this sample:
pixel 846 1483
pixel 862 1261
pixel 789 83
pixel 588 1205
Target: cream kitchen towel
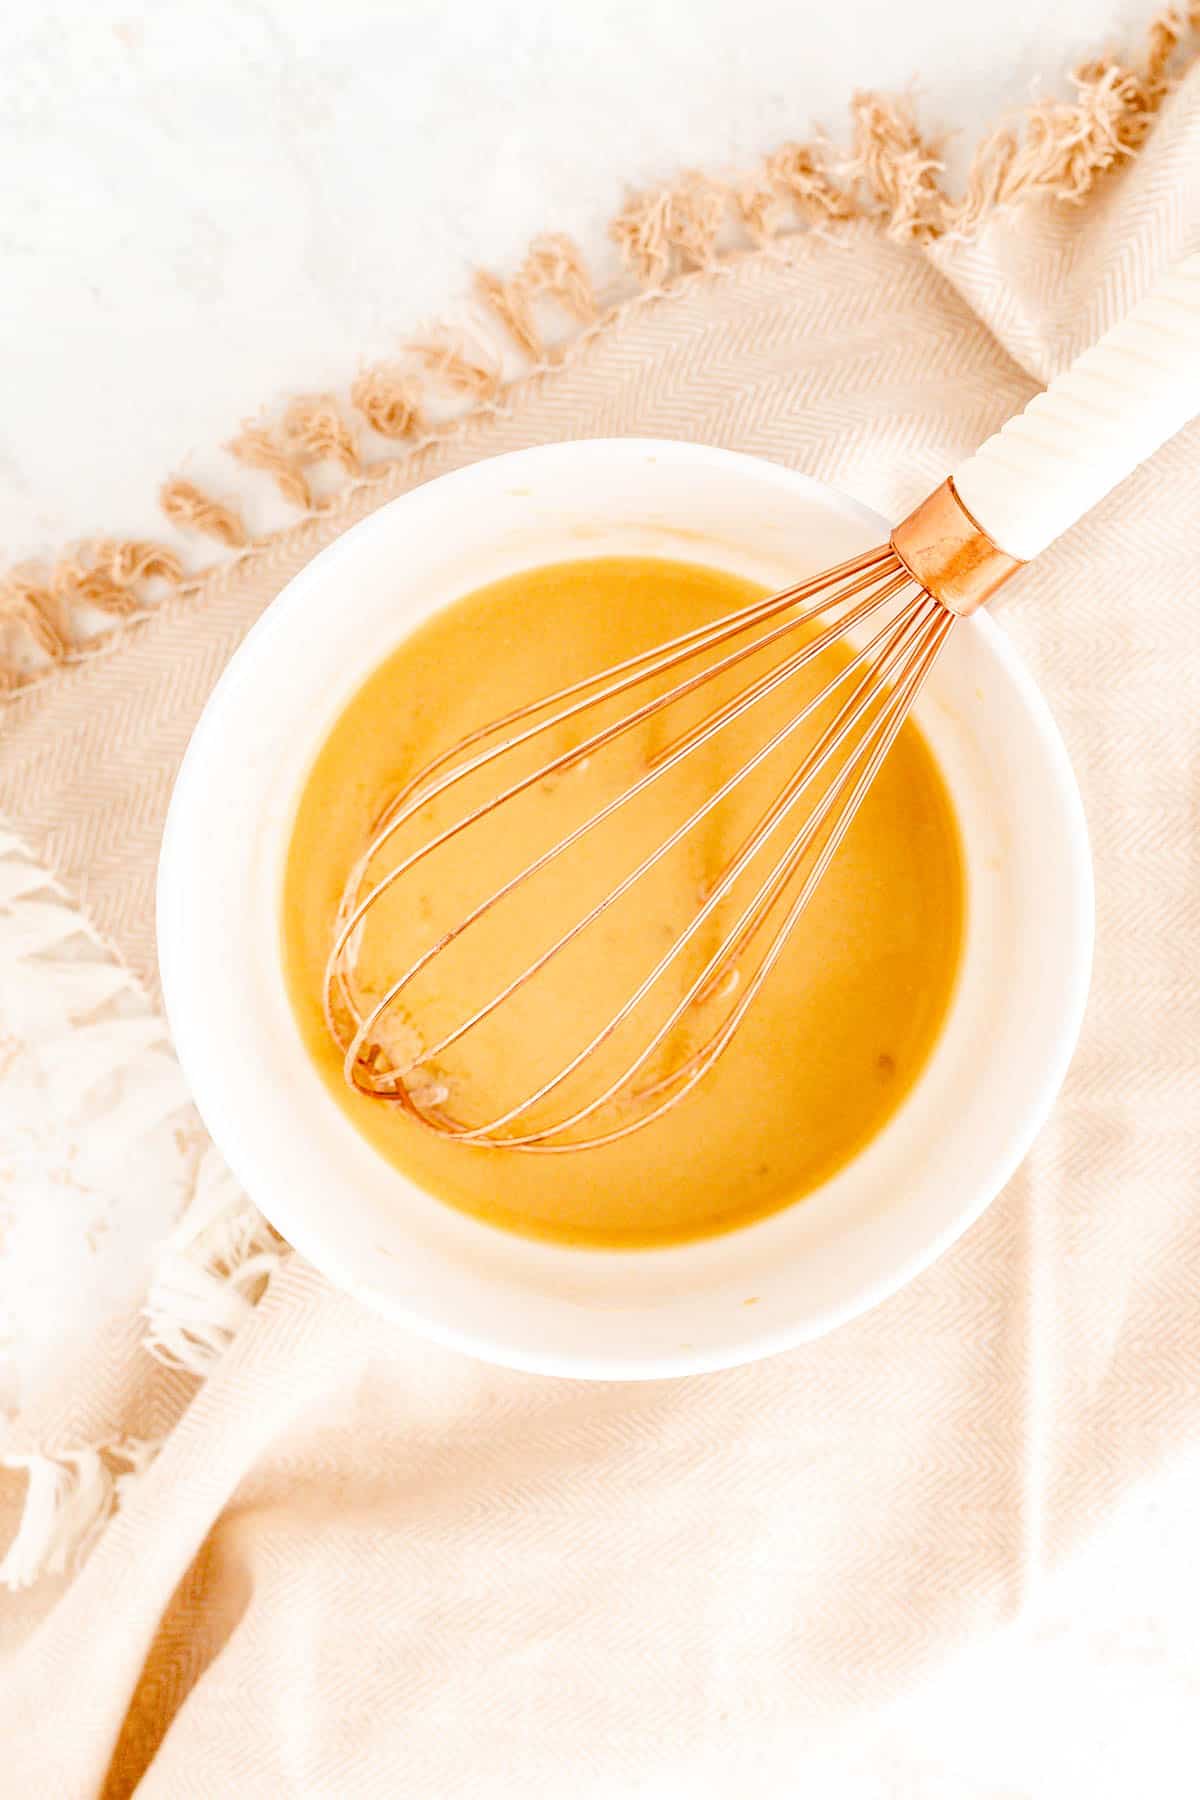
pixel 363 1565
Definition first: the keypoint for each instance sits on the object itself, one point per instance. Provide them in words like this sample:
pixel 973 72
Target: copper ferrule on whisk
pixel 950 554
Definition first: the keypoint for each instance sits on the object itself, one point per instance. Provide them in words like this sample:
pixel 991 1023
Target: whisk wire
pixel 644 664
pixel 417 794
pixel 698 1065
pixel 732 710
pixel 887 673
pixel 887 725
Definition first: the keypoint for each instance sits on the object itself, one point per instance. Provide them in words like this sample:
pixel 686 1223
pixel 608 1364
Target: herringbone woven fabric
pixel 364 1566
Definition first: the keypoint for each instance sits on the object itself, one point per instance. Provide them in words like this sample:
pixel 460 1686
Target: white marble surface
pixel 207 203
pixel 205 206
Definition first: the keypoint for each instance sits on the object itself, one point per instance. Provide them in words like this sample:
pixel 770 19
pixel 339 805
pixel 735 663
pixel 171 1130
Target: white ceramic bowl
pixel 947 1152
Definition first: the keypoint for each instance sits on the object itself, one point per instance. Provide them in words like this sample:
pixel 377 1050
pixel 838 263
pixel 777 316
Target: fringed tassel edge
pixel 210 1274
pixel 528 321
pixel 213 1267
pixel 69 1497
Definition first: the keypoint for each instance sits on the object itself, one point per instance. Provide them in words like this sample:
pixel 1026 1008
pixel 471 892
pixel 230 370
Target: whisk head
pixel 432 953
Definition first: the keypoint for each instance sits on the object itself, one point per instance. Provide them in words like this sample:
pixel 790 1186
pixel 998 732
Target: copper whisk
pixel 898 603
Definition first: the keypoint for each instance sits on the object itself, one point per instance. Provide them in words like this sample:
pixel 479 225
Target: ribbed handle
pixel 1094 424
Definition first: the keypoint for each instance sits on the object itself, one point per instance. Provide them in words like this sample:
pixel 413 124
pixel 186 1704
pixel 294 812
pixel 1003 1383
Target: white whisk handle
pixel 1094 424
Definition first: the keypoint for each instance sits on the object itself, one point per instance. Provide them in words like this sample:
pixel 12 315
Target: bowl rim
pixel 178 849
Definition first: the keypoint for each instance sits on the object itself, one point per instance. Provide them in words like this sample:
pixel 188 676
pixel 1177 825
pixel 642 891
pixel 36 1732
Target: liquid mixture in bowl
pixel 835 1039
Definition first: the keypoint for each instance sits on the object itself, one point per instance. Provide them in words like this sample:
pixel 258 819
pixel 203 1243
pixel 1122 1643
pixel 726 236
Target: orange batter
pixel 833 1042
